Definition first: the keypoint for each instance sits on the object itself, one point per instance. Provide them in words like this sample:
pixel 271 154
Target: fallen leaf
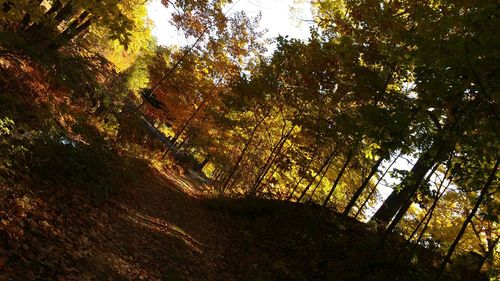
pixel 3 261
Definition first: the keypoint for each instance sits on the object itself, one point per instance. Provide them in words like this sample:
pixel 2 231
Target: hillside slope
pixel 155 230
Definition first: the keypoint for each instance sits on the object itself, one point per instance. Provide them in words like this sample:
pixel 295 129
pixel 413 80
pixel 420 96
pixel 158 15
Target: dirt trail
pixel 160 232
pixel 151 231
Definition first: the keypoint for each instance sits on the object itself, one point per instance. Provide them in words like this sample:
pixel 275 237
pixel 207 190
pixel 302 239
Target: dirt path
pixel 152 231
pixel 162 233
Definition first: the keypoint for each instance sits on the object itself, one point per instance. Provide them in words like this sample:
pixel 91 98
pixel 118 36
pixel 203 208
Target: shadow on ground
pixel 152 229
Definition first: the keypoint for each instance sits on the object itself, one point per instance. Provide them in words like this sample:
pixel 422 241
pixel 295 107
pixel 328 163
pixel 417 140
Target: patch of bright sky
pixel 280 17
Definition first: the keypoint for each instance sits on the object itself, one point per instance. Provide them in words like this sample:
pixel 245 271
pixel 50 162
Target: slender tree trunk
pixel 427 218
pixel 402 211
pixel 73 29
pixel 25 22
pixel 325 163
pixel 337 180
pixel 263 176
pixel 376 184
pixel 65 13
pixel 80 29
pixel 301 177
pixel 271 175
pixel 439 194
pixel 395 221
pixel 309 200
pixel 270 159
pixel 469 218
pixel 431 214
pixel 181 130
pixel 224 186
pixel 7 6
pixel 408 203
pixel 237 176
pixel 55 6
pixel 360 190
pixel 489 254
pixel 410 184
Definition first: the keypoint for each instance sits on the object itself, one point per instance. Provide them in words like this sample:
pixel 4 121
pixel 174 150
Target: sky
pixel 279 17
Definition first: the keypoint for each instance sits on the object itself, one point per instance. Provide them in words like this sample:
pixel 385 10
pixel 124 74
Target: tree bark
pixel 55 6
pixel 410 184
pixel 429 214
pixel 492 177
pixel 360 190
pixel 65 13
pixel 178 134
pixel 325 163
pixel 427 218
pixel 80 29
pixel 74 28
pixel 237 176
pixel 376 184
pixel 489 254
pixel 319 182
pixel 241 154
pixel 302 177
pixel 337 180
pixel 274 153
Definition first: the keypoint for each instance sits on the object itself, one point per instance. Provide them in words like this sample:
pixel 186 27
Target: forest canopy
pixel 326 121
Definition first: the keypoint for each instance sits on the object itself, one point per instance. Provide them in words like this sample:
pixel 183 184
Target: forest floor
pixel 163 227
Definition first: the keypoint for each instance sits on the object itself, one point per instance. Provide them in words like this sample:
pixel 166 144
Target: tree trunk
pixel 237 176
pixel 178 134
pixel 489 254
pixel 53 9
pixel 80 29
pixel 25 22
pixel 428 215
pixel 261 187
pixel 302 177
pixel 65 13
pixel 274 153
pixel 73 29
pixel 55 6
pixel 325 163
pixel 376 184
pixel 319 182
pixel 360 190
pixel 337 180
pixel 402 211
pixel 427 218
pixel 469 218
pixel 396 200
pixel 224 186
